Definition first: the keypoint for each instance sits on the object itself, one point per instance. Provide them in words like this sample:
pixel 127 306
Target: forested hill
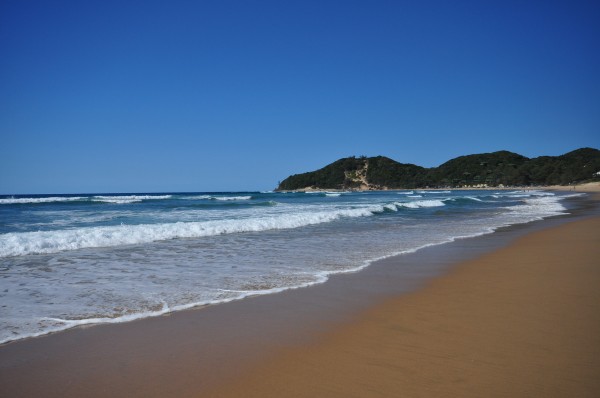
pixel 480 170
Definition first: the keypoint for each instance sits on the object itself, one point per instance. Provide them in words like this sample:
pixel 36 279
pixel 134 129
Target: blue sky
pixel 149 96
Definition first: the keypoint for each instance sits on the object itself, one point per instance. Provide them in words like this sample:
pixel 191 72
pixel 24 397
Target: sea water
pixel 68 260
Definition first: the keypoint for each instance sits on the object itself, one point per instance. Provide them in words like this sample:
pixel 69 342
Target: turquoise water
pixel 67 260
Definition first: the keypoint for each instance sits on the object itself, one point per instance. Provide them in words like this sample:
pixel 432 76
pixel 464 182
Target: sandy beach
pixel 324 199
pixel 518 315
pixel 590 187
pixel 522 321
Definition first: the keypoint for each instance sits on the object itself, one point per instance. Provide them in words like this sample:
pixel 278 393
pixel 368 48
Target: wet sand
pixel 522 320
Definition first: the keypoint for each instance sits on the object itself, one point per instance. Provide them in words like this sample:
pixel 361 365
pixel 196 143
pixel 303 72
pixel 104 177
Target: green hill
pixel 485 169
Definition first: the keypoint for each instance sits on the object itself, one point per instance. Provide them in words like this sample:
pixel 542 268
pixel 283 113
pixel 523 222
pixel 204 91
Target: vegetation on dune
pixel 502 168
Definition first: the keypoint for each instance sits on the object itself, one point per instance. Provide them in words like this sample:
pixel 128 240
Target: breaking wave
pixel 41 242
pixel 96 198
pixel 51 199
pixel 128 198
pixel 231 197
pixel 421 203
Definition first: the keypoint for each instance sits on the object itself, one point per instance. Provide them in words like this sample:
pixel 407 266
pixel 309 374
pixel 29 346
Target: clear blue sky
pixel 148 96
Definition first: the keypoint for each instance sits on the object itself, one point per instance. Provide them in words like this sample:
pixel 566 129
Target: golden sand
pixel 587 187
pixel 523 321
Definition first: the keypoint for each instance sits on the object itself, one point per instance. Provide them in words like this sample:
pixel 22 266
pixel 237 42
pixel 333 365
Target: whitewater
pixel 68 260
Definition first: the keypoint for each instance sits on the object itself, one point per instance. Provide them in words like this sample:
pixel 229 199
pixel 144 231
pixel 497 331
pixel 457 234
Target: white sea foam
pixel 10 201
pixel 195 197
pixel 128 198
pixel 574 195
pixel 421 203
pixel 333 194
pixel 521 194
pixel 417 204
pixel 212 197
pixel 38 242
pixel 124 318
pixel 538 208
pixel 231 197
pixel 116 201
pixel 473 198
pixel 61 324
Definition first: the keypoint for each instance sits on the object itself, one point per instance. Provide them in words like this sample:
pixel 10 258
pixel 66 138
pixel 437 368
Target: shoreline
pixel 589 187
pixel 221 342
pixel 199 306
pixel 513 322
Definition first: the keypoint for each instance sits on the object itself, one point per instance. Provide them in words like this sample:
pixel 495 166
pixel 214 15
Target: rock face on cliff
pixel 502 168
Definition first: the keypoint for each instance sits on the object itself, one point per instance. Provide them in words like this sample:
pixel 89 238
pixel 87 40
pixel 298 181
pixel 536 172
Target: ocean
pixel 69 260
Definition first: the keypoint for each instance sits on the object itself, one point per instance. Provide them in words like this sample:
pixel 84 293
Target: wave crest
pixel 128 198
pixel 420 203
pixel 51 199
pixel 43 242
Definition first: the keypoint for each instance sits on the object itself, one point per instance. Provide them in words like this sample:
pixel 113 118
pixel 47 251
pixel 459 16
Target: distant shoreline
pixel 584 187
